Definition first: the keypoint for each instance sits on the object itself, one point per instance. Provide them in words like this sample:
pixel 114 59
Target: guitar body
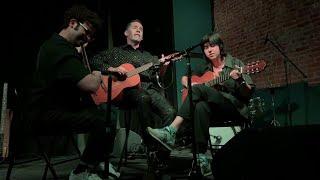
pixel 117 86
pixel 206 77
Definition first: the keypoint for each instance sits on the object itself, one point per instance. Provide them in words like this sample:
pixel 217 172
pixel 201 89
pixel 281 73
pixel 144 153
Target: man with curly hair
pixel 57 102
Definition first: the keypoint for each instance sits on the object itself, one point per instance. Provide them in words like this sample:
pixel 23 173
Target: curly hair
pixel 82 14
pixel 213 38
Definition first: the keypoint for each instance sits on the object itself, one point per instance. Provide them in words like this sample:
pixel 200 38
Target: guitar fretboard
pixel 147 66
pixel 222 77
pixel 225 76
pixel 139 69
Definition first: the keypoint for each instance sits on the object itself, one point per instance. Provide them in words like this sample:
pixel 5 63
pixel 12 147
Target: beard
pixel 136 40
pixel 81 40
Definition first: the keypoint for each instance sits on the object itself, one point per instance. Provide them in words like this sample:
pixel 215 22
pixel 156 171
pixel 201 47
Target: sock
pixel 172 129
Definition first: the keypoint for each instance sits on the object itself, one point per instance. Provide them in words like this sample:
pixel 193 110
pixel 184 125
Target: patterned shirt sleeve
pixel 101 61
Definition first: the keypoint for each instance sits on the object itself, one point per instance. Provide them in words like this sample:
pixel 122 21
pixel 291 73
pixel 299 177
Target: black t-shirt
pixel 59 69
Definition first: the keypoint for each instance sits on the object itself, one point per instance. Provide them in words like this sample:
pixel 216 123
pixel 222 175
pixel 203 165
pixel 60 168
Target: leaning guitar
pixel 5 121
pixel 209 80
pixel 132 79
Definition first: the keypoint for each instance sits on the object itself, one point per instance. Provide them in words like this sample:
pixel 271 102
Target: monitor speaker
pixel 270 153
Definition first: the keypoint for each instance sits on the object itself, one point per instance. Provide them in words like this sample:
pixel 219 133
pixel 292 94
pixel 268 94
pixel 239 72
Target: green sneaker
pixel 205 164
pixel 166 136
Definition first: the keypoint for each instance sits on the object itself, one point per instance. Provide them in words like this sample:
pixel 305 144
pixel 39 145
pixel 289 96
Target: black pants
pixel 161 107
pixel 209 105
pixel 135 98
pixel 89 120
pixel 152 108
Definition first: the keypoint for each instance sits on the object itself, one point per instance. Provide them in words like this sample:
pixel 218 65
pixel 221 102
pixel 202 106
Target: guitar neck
pixel 223 77
pixel 147 66
pixel 139 69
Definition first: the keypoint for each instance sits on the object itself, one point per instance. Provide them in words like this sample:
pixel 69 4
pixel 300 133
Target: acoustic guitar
pixel 131 79
pixel 209 79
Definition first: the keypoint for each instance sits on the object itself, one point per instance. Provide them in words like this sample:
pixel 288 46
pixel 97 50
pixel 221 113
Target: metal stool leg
pixel 49 165
pixel 124 152
pixel 74 143
pixel 47 160
pixel 11 163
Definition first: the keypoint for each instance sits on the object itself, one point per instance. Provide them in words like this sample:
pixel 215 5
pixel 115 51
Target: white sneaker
pixel 84 176
pixel 112 170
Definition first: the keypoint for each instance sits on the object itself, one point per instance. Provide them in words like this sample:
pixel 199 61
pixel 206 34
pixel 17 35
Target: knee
pixel 145 98
pixel 98 124
pixel 171 112
pixel 196 88
pixel 200 106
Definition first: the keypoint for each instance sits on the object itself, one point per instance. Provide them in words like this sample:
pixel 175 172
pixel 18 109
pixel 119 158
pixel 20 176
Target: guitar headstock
pixel 255 67
pixel 174 56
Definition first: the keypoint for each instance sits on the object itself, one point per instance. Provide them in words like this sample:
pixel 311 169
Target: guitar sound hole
pixel 121 77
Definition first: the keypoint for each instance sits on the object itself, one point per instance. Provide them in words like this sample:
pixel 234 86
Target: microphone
pixel 266 39
pixel 188 50
pixel 106 72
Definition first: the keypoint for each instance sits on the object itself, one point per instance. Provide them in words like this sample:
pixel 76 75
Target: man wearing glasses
pixel 61 82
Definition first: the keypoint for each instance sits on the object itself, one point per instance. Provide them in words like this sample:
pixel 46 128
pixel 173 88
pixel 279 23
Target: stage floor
pixel 178 167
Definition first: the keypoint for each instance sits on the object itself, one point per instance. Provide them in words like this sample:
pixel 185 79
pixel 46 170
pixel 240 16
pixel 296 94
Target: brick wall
pixel 294 25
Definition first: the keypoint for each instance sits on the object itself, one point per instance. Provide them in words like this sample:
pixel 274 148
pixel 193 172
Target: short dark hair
pixel 82 14
pixel 214 38
pixel 134 20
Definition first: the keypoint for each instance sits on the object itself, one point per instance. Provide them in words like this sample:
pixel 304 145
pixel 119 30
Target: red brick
pixel 294 24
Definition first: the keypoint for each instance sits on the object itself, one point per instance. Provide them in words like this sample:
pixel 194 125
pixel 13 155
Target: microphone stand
pixel 286 63
pixel 274 122
pixel 108 116
pixel 195 171
pixel 108 109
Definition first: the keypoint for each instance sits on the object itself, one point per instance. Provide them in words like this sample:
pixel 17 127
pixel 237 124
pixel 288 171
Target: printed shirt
pixel 126 54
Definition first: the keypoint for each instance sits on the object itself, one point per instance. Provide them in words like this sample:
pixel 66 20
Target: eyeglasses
pixel 89 33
